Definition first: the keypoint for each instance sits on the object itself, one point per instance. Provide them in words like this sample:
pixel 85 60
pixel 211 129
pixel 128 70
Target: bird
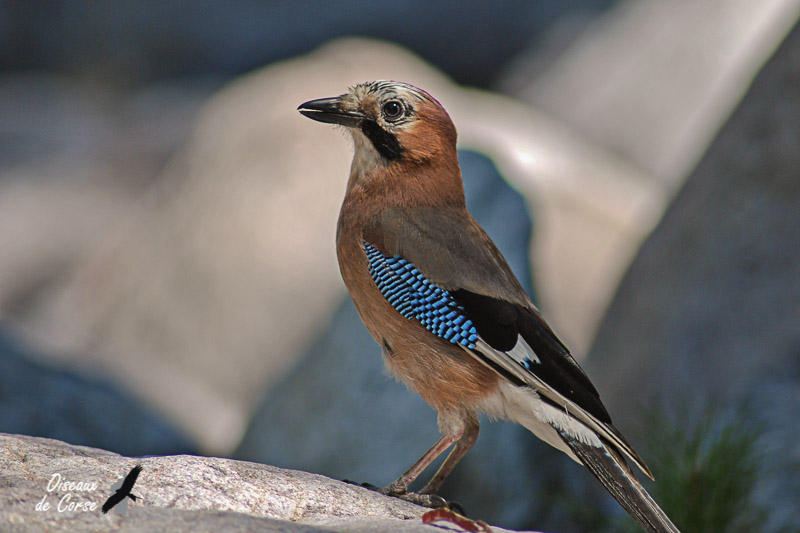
pixel 452 320
pixel 124 491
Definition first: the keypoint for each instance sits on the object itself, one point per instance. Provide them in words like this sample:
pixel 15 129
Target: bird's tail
pixel 613 472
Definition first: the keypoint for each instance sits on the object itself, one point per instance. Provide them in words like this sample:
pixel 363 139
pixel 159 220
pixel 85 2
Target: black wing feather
pixel 130 479
pixel 113 500
pixel 500 323
pixel 124 491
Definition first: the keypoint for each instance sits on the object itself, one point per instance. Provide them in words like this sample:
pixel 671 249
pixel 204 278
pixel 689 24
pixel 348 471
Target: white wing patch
pixel 523 353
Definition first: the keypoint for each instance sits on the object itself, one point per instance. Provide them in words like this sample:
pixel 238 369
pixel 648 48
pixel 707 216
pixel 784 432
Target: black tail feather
pixel 610 468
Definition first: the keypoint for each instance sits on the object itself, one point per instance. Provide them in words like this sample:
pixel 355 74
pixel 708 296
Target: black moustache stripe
pixel 384 142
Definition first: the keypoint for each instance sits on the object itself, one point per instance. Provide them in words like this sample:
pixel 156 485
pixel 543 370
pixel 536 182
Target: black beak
pixel 330 110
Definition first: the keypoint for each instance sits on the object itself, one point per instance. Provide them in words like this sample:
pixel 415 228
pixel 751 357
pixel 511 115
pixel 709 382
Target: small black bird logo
pixel 123 490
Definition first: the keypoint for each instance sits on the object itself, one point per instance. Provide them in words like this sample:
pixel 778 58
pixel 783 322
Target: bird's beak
pixel 332 111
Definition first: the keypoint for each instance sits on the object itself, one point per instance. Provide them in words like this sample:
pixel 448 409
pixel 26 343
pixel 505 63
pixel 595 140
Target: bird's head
pixel 392 124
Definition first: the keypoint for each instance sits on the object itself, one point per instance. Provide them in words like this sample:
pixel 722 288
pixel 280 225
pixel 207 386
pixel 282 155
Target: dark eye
pixel 392 110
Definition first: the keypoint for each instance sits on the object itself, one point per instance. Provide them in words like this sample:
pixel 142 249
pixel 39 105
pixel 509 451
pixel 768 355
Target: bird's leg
pixel 399 487
pixel 463 444
pixel 464 438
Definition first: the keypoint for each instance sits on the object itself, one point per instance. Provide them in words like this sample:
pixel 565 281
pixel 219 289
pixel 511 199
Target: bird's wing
pixel 440 268
pixel 113 500
pixel 130 479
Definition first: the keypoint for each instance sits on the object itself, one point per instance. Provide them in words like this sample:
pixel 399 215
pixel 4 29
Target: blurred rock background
pixel 167 221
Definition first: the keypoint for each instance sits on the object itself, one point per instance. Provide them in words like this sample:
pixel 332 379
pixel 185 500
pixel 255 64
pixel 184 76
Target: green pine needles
pixel 706 464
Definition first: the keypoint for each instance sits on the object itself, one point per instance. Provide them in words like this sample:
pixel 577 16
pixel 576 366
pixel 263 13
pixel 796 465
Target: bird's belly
pixel 446 376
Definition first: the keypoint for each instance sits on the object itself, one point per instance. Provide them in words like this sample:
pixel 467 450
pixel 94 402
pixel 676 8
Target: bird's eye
pixel 392 110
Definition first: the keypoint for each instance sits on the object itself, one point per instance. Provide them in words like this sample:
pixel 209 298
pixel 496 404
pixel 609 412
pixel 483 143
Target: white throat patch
pixel 366 158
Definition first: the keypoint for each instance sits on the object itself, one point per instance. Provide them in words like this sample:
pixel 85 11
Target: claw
pixel 432 501
pixel 457 508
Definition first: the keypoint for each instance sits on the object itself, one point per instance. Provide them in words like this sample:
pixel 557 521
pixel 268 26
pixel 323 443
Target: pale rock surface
pixel 183 493
pixel 654 81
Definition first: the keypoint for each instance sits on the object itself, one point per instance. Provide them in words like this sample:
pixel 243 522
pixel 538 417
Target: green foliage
pixel 706 466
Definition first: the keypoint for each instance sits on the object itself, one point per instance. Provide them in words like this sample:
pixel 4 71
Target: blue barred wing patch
pixel 415 297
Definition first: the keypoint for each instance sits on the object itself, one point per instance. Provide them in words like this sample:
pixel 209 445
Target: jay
pixel 453 321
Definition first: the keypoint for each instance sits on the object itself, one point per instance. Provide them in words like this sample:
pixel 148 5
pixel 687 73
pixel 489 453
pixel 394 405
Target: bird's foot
pixel 432 501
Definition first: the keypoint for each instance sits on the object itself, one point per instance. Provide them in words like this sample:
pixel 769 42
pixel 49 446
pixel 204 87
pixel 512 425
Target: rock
pixel 181 493
pixel 651 82
pixel 708 313
pixel 664 76
pixel 74 162
pixel 41 399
